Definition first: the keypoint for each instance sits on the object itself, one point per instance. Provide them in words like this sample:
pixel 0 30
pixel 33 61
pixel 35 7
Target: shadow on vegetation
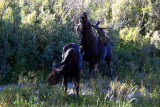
pixel 32 37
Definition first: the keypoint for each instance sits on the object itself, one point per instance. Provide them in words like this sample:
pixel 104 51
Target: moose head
pixel 54 76
pixel 85 25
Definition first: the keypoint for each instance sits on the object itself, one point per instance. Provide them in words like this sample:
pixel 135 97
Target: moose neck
pixel 61 69
pixel 86 32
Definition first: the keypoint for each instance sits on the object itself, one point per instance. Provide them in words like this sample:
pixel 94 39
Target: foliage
pixel 31 92
pixel 33 33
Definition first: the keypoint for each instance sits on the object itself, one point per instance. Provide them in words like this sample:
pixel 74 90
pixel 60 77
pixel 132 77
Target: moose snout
pixel 83 14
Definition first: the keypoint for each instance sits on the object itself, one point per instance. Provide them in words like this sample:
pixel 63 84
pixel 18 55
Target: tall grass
pixel 31 92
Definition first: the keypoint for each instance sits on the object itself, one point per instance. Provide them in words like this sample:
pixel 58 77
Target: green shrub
pixel 33 33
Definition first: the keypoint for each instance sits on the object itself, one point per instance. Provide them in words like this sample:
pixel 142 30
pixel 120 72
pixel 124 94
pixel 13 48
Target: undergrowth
pixel 33 92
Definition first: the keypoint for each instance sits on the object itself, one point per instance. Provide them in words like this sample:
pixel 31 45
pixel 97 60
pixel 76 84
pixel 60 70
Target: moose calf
pixel 70 67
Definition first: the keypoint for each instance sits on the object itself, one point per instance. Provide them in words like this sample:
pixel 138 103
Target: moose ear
pixel 53 66
pixel 60 68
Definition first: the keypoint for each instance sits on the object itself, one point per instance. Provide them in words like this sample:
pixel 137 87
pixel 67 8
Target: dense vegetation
pixel 33 32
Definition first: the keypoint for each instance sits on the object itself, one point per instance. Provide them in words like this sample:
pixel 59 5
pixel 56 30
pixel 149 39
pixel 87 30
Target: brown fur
pixel 70 67
pixel 94 49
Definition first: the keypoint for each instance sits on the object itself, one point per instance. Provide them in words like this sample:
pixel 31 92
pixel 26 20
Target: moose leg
pixel 76 85
pixel 64 83
pixel 109 63
pixel 81 72
pixel 92 69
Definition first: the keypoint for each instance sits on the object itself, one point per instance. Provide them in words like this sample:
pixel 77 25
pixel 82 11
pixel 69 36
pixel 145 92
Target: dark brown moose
pixel 70 67
pixel 94 49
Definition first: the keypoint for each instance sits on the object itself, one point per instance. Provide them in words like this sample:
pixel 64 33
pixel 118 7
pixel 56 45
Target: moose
pixel 70 67
pixel 93 49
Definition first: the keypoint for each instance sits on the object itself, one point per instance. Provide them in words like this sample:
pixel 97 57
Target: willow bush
pixel 33 32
